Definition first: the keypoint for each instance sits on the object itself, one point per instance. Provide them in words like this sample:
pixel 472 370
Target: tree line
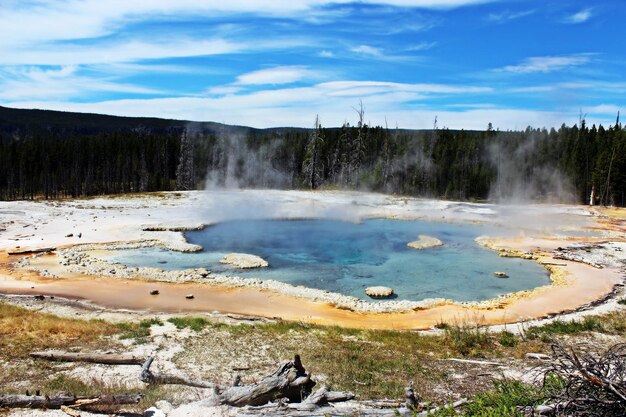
pixel 71 155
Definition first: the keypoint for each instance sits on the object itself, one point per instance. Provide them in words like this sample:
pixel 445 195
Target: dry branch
pixel 55 402
pixel 590 385
pixel 104 358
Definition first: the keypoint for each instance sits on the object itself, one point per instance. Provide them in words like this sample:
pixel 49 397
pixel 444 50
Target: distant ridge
pixel 37 119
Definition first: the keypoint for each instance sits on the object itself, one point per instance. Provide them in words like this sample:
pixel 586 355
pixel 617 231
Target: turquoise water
pixel 347 257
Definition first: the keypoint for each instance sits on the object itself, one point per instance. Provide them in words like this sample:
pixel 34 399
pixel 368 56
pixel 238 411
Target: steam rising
pixel 236 163
pixel 518 181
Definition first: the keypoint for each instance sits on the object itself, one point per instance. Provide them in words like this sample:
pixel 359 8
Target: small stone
pixel 500 274
pixel 379 292
pixel 154 292
pixel 189 296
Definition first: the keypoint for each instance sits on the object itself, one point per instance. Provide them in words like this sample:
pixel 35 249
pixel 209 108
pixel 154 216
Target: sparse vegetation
pixel 372 363
pixel 469 340
pixel 508 339
pixel 22 331
pixel 611 323
pixel 194 323
pixel 138 331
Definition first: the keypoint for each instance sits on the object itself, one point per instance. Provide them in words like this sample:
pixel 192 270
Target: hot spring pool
pixel 347 257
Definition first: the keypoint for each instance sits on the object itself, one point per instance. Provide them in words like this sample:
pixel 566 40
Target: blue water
pixel 347 257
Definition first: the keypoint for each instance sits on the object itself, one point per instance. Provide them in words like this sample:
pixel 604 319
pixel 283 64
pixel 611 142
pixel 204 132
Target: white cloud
pixel 367 50
pixel 275 75
pixel 135 50
pixel 422 46
pixel 279 107
pixel 223 90
pixel 580 17
pixel 326 54
pixel 35 83
pixel 507 15
pixel 547 63
pixel 332 113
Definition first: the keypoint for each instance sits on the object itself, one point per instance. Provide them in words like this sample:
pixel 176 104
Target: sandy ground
pixel 535 232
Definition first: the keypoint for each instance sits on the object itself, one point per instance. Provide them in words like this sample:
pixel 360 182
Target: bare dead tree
pixel 313 162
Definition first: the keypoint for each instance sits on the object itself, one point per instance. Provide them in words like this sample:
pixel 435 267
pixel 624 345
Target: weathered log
pixel 104 358
pixel 150 377
pixel 473 362
pixel 290 381
pixel 31 251
pixel 55 402
pixel 323 396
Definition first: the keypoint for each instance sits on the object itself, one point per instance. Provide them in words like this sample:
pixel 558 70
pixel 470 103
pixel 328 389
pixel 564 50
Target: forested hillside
pixel 46 154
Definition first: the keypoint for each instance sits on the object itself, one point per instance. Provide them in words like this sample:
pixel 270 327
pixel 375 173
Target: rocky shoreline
pixel 79 259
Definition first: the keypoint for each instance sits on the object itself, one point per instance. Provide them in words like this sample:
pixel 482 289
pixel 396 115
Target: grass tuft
pixel 508 339
pixel 194 323
pixel 467 340
pixel 560 327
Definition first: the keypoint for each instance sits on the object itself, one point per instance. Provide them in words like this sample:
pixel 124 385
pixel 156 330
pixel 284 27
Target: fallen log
pixel 289 381
pixel 56 402
pixel 31 251
pixel 473 362
pixel 103 358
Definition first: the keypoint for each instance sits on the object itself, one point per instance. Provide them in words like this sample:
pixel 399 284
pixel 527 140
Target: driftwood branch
pixel 104 358
pixel 56 402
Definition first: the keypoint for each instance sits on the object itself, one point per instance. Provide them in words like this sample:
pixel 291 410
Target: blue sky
pixel 266 63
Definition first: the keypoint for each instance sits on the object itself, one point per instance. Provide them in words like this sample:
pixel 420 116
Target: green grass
pixel 138 331
pixel 468 340
pixel 560 327
pixel 622 301
pixel 194 323
pixel 503 400
pixel 508 339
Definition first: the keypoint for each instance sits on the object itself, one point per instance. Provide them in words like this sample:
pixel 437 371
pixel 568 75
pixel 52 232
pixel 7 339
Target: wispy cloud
pixel 579 17
pixel 547 63
pixel 64 82
pixel 421 46
pixel 276 75
pixel 507 15
pixel 326 54
pixel 367 50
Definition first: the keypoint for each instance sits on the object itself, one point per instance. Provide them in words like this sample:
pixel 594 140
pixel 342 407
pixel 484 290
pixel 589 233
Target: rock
pixel 153 412
pixel 189 296
pixel 244 261
pixel 164 406
pixel 69 235
pixel 379 292
pixel 154 292
pixel 500 274
pixel 425 242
